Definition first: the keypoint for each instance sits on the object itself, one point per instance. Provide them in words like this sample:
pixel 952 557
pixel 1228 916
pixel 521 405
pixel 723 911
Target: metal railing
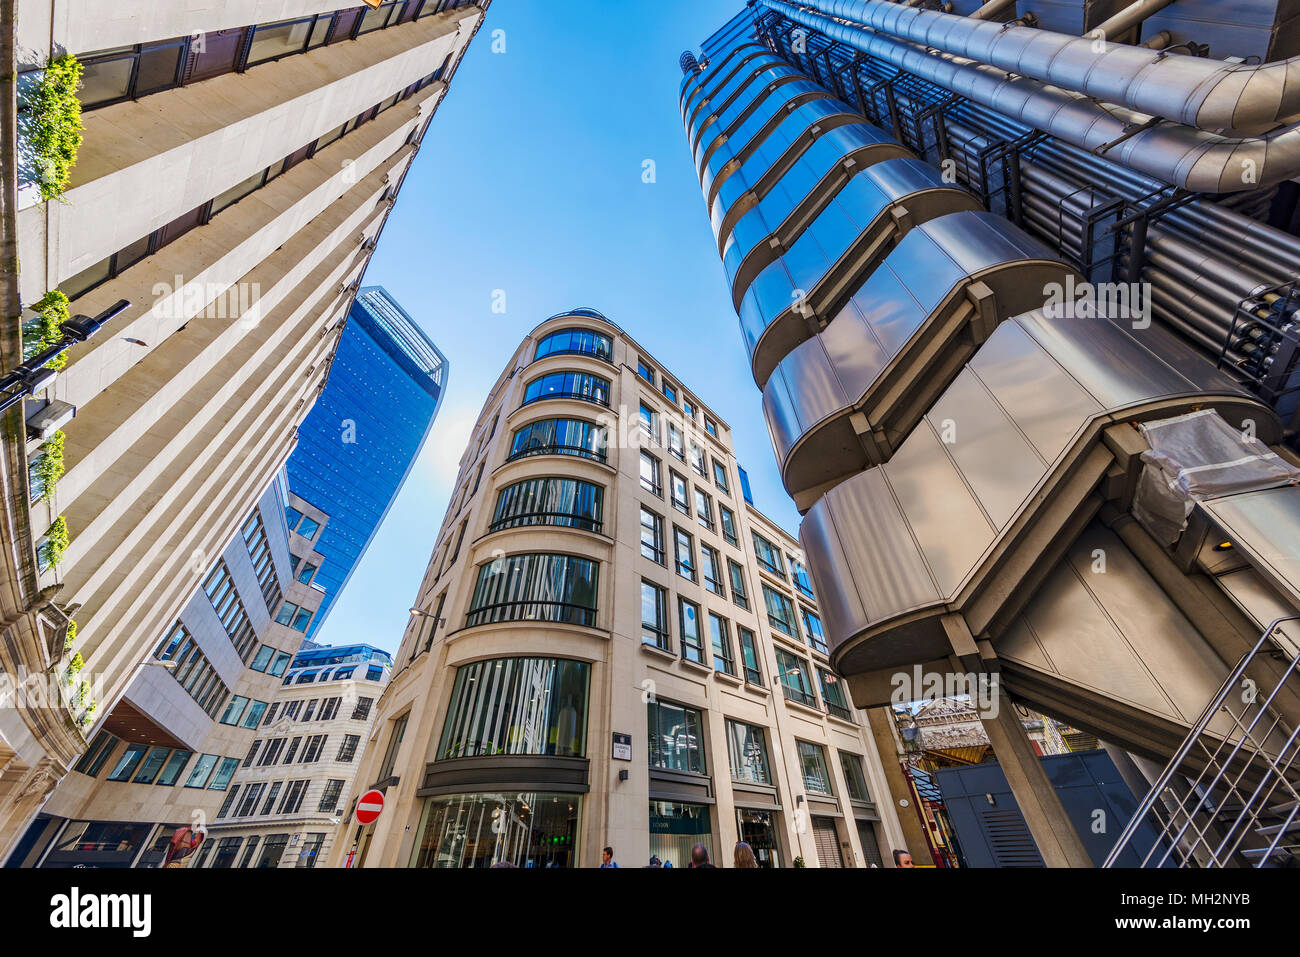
pixel 1204 817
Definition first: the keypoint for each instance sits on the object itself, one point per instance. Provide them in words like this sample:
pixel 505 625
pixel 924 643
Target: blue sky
pixel 530 181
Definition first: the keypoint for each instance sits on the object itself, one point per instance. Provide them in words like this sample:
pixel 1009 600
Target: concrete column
pixel 915 841
pixel 1057 840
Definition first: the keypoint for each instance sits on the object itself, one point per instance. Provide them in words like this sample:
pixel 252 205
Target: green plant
pixel 71 637
pixel 53 124
pixel 74 667
pixel 798 862
pixel 54 544
pixel 49 466
pixel 47 328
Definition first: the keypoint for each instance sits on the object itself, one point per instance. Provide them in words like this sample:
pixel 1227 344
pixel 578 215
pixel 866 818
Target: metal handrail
pixel 1193 738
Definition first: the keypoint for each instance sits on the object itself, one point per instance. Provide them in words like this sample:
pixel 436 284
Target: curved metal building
pixel 1007 469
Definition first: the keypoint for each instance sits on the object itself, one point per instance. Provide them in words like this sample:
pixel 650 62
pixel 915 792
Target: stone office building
pixel 611 645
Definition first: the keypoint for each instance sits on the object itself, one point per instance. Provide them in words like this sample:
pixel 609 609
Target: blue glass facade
pixel 359 441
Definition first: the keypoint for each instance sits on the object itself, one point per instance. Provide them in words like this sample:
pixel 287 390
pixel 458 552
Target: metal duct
pixel 1207 94
pixel 1180 155
pixel 1124 21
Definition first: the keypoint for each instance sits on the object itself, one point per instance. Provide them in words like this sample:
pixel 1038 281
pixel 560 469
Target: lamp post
pixel 436 622
pixel 32 375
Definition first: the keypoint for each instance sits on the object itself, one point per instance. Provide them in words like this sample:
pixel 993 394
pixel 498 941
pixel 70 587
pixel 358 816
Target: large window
pixel 780 612
pixel 812 627
pixel 675 828
pixel 794 678
pixel 517 706
pixel 720 635
pixel 747 753
pixel 685 552
pixel 579 342
pixel 704 509
pixel 570 503
pixel 832 685
pixel 749 656
pixel 568 385
pixel 680 493
pixel 676 737
pixel 812 762
pixel 688 614
pixel 654 616
pixel 711 565
pixel 728 525
pixel 479 830
pixel 650 474
pixel 854 777
pixel 739 594
pixel 652 536
pixel 559 437
pixel 535 588
pixel 769 556
pixel 802 580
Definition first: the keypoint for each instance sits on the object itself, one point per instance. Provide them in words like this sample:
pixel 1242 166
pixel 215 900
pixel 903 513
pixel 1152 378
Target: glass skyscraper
pixel 357 445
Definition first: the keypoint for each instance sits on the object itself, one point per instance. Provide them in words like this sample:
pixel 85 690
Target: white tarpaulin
pixel 1195 457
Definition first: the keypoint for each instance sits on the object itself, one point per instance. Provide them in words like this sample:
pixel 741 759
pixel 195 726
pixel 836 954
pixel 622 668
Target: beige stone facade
pixel 234 206
pixel 541 787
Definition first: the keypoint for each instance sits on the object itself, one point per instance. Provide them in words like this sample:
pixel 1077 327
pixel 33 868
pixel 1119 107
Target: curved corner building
pixel 997 479
pixel 611 646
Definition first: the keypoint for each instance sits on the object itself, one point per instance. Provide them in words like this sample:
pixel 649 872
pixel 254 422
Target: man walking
pixel 607 858
pixel 700 856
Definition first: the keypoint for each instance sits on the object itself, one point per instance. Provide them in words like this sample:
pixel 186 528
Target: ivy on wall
pixel 52 125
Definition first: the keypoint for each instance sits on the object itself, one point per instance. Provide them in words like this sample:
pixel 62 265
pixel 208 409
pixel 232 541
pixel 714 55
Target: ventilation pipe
pixel 1211 95
pixel 991 9
pixel 1178 155
pixel 1126 19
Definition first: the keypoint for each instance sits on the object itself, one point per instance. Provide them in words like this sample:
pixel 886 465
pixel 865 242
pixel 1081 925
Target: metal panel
pixel 1265 526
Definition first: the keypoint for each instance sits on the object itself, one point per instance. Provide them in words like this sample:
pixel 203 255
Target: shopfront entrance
pixel 758 829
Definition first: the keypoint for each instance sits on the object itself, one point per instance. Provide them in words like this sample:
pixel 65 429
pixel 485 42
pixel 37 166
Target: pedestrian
pixel 902 858
pixel 607 858
pixel 743 856
pixel 655 862
pixel 700 856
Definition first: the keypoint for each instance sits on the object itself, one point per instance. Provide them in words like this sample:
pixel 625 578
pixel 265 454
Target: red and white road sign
pixel 369 806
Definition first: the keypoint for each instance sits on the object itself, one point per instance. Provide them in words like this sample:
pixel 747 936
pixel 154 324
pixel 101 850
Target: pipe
pixel 1159 41
pixel 1210 95
pixel 991 9
pixel 1181 156
pixel 1126 19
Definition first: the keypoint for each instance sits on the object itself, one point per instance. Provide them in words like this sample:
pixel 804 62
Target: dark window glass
pixel 676 737
pixel 568 385
pixel 569 503
pixel 689 619
pixel 654 616
pixel 747 753
pixel 536 587
pixel 517 706
pixel 560 437
pixel 749 656
pixel 583 342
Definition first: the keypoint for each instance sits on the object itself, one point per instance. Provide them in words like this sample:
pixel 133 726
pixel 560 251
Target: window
pixel 747 753
pixel 652 536
pixel 689 614
pixel 696 456
pixel 253 716
pixel 794 678
pixel 292 752
pixel 311 753
pixel 704 509
pixel 729 525
pixel 374 672
pixel 252 753
pixel 308 528
pixel 394 744
pixel 269 804
pixel 329 799
pixel 311 846
pixel 362 710
pixel 676 737
pixel 812 628
pixel 855 780
pixel 738 593
pixel 710 426
pixel 271 713
pixel 151 765
pixel 281 662
pixel 749 656
pixel 272 752
pixel 95 756
pixel 721 638
pixel 171 771
pixel 330 709
pixel 559 437
pixel 833 696
pixel 293 616
pixel 812 762
pixel 568 385
pixel 229 802
pixel 769 556
pixel 293 708
pixel 670 393
pixel 203 768
pixel 675 442
pixel 517 706
pixel 292 517
pixel 262 658
pixel 535 587
pixel 802 581
pixel 780 612
pixel 225 771
pixel 685 552
pixel 248 804
pixel 128 762
pixel 689 408
pixel 654 616
pixel 564 502
pixel 720 476
pixel 235 710
pixel 650 474
pixel 680 493
pixel 348 749
pixel 306 572
pixel 311 709
pixel 259 552
pixel 293 797
pixel 645 371
pixel 648 419
pixel 711 565
pixel 581 342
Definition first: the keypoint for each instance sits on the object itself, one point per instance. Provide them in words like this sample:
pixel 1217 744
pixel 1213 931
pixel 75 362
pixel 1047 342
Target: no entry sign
pixel 369 806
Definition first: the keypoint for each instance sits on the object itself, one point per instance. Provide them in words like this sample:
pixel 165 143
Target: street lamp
pixel 436 622
pixel 32 376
